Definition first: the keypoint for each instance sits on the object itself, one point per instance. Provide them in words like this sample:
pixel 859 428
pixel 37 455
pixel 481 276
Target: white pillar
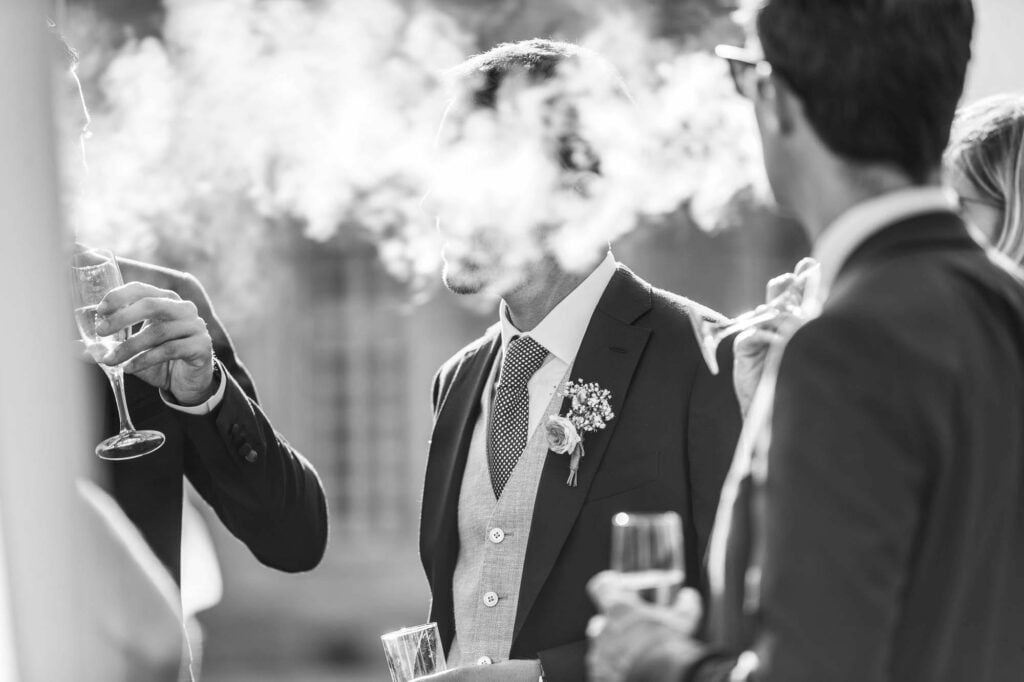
pixel 43 438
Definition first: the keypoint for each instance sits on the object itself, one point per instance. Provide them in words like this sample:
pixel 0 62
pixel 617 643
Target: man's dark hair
pixel 480 78
pixel 537 59
pixel 63 52
pixel 879 79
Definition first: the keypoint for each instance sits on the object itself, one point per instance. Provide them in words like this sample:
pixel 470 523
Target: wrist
pixel 195 398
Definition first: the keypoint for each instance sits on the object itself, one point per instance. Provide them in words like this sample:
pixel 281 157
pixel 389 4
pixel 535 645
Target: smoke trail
pixel 683 137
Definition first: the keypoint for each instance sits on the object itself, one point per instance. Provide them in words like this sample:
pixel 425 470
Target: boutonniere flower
pixel 591 410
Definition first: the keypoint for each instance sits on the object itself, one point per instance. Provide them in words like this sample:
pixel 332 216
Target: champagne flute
pixel 94 272
pixel 647 552
pixel 710 334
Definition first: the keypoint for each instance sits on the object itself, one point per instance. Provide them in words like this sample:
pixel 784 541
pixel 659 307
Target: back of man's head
pixel 879 79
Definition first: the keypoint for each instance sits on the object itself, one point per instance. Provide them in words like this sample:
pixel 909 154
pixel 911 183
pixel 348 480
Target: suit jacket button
pixel 484 660
pixel 496 535
pixel 249 453
pixel 491 599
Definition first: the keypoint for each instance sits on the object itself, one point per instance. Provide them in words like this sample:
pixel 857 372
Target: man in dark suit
pixel 872 526
pixel 507 541
pixel 263 491
pixel 188 383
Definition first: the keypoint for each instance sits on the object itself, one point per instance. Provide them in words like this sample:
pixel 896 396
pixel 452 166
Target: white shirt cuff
pixel 202 408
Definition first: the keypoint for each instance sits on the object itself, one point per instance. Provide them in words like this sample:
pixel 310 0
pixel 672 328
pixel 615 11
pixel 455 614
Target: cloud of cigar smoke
pixel 269 113
pixel 253 115
pixel 681 136
pixel 527 175
pixel 700 137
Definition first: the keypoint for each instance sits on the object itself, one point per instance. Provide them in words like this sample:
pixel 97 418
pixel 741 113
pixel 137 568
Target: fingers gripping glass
pixel 93 274
pixel 746 69
pixel 711 333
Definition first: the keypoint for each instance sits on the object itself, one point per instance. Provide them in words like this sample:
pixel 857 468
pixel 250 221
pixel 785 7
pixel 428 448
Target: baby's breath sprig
pixel 590 411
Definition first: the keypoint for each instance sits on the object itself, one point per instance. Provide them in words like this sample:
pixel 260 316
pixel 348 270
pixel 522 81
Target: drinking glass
pixel 711 333
pixel 414 652
pixel 647 552
pixel 93 273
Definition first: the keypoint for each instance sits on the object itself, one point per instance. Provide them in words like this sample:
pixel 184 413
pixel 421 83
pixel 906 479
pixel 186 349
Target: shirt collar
pixel 861 222
pixel 562 330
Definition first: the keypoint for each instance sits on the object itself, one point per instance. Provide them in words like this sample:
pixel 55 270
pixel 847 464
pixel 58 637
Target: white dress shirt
pixel 561 332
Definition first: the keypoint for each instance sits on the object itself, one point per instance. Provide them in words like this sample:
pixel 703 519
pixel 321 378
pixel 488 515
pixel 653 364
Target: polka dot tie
pixel 510 412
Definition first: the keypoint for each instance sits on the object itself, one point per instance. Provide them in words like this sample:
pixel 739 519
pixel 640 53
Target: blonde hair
pixel 987 147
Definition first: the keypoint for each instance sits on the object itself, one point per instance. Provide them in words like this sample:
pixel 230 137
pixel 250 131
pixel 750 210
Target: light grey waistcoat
pixel 493 535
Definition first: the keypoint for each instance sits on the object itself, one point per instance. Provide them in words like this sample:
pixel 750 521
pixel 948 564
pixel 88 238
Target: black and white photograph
pixel 512 341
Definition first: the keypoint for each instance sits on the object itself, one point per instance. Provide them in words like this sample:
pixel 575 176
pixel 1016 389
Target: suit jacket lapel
pixel 449 448
pixel 608 356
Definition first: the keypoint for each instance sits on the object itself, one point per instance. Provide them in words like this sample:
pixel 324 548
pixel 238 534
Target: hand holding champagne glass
pixel 641 601
pixel 94 273
pixel 799 287
pixel 750 350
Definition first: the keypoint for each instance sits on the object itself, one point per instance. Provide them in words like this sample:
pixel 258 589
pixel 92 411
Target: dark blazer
pixel 667 448
pixel 264 491
pixel 886 519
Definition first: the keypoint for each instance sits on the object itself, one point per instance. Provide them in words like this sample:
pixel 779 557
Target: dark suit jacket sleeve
pixel 843 499
pixel 264 491
pixel 712 431
pixel 275 504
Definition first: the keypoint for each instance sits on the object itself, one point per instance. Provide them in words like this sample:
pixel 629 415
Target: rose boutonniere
pixel 590 411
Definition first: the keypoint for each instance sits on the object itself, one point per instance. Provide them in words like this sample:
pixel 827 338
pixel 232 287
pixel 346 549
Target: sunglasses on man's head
pixel 745 67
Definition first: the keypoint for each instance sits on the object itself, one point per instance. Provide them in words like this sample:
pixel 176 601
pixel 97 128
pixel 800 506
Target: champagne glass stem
pixel 116 377
pixel 746 321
